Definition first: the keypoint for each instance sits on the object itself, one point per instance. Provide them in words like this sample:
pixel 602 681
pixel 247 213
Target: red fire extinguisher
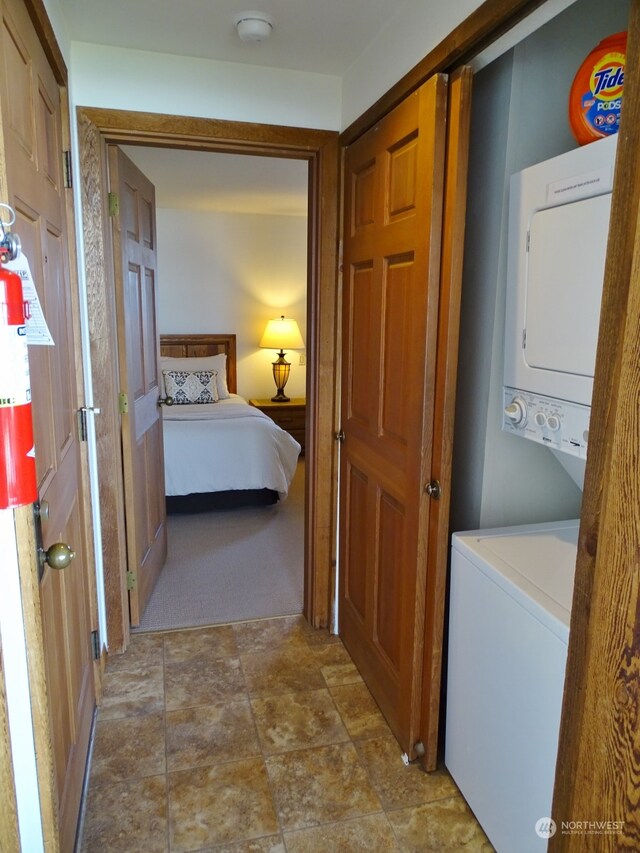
pixel 18 484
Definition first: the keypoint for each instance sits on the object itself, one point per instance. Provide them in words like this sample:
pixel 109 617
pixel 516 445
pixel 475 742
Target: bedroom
pixel 231 254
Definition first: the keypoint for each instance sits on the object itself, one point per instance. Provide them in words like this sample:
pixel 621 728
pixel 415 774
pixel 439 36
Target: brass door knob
pixel 58 555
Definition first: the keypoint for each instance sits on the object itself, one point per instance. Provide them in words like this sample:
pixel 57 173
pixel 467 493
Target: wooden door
pixel 134 240
pixel 393 215
pixel 32 137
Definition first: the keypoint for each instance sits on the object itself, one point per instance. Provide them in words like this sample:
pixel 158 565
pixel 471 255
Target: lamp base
pixel 281 369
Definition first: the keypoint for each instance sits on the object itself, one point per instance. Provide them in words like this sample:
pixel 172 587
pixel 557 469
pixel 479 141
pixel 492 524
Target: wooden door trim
pixel 42 25
pixel 320 149
pixel 34 639
pixel 482 27
pixel 596 771
pixel 104 363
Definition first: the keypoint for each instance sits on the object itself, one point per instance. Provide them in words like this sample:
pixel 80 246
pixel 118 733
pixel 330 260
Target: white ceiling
pixel 233 183
pixel 323 36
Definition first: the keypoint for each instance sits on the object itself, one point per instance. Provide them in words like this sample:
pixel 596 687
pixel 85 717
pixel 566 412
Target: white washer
pixel 510 604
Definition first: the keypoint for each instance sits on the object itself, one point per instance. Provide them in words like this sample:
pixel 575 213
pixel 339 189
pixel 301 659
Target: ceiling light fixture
pixel 253 26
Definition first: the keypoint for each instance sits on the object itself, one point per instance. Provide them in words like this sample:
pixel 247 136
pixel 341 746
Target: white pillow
pixel 205 362
pixel 196 386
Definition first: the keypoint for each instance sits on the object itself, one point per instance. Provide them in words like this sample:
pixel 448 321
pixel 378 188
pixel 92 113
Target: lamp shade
pixel 282 334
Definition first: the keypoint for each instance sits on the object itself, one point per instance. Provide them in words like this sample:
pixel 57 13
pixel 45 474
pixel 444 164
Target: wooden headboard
pixel 191 346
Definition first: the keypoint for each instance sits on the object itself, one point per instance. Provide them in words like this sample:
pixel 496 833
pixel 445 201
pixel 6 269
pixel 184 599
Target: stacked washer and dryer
pixel 511 588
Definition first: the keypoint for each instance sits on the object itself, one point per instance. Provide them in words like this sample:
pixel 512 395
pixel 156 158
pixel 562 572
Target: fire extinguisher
pixel 18 485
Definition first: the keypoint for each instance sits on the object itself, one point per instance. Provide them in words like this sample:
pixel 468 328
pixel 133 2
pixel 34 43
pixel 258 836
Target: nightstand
pixel 290 416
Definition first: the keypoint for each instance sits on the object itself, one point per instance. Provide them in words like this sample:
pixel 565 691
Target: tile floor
pixel 257 737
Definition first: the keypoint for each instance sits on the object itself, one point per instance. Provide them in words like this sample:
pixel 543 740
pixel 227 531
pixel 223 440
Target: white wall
pixel 519 118
pixel 123 79
pixel 231 272
pixel 416 29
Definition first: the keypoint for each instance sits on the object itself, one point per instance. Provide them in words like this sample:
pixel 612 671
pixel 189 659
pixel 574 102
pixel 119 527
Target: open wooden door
pixel 393 211
pixel 32 121
pixel 134 242
pixel 392 415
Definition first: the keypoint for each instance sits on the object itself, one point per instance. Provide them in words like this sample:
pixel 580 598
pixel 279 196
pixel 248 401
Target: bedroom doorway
pixel 318 149
pixel 231 246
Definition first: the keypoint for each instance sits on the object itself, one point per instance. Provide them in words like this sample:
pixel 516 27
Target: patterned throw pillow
pixel 198 386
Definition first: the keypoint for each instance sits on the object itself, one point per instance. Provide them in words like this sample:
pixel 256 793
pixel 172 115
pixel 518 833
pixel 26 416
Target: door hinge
pixel 82 424
pixel 340 436
pixel 123 403
pixel 82 420
pixel 528 241
pixel 524 339
pixel 67 168
pixel 114 204
pixel 132 580
pixel 95 645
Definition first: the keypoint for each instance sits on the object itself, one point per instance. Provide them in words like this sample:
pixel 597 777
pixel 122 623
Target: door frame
pixel 319 148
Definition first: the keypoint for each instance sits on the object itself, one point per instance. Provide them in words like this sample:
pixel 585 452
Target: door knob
pixel 165 401
pixel 58 555
pixel 434 490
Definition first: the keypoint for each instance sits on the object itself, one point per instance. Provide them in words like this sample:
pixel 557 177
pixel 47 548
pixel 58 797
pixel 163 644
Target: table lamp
pixel 281 334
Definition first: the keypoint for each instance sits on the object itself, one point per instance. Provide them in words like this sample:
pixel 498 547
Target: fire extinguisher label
pixel 15 386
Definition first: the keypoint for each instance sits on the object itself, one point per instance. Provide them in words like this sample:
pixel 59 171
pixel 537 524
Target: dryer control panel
pixel 554 423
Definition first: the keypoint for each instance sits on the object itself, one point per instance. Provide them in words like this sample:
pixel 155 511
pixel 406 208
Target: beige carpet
pixel 232 566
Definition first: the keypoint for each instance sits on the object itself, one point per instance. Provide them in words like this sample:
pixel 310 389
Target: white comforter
pixel 225 445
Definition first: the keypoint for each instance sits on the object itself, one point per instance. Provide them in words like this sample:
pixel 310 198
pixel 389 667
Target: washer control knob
pixel 553 422
pixel 516 412
pixel 540 419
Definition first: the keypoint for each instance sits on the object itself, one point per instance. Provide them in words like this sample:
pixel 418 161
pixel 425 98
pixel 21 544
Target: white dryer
pixel 559 213
pixel 510 604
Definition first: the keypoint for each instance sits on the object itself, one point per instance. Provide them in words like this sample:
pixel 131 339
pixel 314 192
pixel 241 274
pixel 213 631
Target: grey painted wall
pixel 519 118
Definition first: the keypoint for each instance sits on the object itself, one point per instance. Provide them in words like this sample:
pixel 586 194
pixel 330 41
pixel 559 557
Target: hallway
pixel 256 737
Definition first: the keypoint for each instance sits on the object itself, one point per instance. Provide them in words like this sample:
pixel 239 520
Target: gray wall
pixel 519 118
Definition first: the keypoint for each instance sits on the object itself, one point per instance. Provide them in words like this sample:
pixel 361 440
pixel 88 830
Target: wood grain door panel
pixel 32 137
pixel 134 238
pixel 393 211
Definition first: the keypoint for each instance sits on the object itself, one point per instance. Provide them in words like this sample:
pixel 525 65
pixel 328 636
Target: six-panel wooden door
pixel 393 213
pixel 32 136
pixel 134 238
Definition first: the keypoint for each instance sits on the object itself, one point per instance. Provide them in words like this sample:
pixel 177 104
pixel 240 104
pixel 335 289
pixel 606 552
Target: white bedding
pixel 225 445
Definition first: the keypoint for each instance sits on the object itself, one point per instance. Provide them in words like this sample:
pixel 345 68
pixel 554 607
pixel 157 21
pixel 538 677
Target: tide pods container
pixel 595 99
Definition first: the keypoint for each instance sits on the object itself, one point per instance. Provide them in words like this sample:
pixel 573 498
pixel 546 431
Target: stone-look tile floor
pixel 257 737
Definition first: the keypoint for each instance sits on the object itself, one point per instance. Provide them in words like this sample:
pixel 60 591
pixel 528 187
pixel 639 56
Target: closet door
pixel 391 584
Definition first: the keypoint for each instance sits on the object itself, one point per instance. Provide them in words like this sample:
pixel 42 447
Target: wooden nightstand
pixel 290 416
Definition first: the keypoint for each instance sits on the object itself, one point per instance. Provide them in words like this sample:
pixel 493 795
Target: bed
pixel 220 454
